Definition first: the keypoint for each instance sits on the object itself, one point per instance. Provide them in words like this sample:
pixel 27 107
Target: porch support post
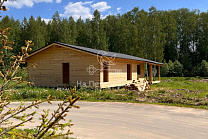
pixel 159 72
pixel 150 73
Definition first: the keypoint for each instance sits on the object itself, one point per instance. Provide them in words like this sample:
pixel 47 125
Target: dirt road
pixel 106 120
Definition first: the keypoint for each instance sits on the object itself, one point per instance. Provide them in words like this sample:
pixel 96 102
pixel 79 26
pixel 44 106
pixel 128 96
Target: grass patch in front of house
pixel 27 93
pixel 176 91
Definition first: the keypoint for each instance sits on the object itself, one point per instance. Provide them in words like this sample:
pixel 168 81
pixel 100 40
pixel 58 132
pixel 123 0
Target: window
pixel 138 69
pixel 129 72
pixel 105 72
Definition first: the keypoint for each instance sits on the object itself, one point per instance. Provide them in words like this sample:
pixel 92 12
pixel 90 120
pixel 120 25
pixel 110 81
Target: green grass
pixel 176 91
pixel 189 83
pixel 27 93
pixel 182 91
pixel 187 86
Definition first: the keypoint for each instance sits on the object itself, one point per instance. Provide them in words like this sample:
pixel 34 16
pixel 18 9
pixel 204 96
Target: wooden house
pixel 60 64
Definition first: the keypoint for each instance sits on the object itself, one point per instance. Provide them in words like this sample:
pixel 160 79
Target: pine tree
pixel 81 33
pixel 41 33
pixel 54 26
pixel 98 32
pixel 73 31
pixel 110 27
pixel 65 31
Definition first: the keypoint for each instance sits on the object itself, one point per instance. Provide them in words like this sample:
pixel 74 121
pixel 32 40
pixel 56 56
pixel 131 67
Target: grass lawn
pixel 181 91
pixel 177 91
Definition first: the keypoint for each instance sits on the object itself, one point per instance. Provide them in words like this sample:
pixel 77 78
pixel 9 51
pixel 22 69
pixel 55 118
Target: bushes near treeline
pixel 204 68
pixel 176 69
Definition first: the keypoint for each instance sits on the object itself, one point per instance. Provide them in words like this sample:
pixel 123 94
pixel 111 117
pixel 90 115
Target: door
pixel 105 72
pixel 129 72
pixel 65 73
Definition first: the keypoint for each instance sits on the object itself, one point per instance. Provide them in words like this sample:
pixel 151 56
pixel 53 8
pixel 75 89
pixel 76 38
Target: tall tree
pixel 110 27
pixel 54 26
pixel 133 33
pixel 81 33
pixel 156 36
pixel 65 32
pixel 202 46
pixel 41 33
pixel 186 24
pixel 73 30
pixel 98 32
pixel 142 27
pixel 169 26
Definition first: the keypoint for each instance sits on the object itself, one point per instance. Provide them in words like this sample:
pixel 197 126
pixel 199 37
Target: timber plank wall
pixel 118 73
pixel 48 72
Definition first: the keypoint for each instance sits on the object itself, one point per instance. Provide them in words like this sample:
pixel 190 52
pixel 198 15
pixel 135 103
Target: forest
pixel 178 38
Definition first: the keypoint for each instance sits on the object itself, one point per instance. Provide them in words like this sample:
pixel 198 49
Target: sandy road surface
pixel 106 120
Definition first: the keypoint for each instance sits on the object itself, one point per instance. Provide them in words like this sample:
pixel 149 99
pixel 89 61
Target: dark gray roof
pixel 109 54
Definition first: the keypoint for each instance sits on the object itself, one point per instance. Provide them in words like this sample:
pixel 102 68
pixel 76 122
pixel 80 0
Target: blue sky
pixel 85 8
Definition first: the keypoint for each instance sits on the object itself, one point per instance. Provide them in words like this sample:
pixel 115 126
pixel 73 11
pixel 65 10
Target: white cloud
pixel 38 1
pixel 119 9
pixel 103 17
pixel 77 9
pixel 87 2
pixel 101 6
pixel 58 1
pixel 46 20
pixel 20 3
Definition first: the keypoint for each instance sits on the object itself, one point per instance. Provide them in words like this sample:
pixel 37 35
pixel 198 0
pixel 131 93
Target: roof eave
pixel 77 47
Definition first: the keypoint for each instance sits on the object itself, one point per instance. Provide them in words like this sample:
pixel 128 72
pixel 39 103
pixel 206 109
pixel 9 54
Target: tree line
pixel 177 36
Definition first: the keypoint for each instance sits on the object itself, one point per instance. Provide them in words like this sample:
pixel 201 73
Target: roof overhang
pixel 96 52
